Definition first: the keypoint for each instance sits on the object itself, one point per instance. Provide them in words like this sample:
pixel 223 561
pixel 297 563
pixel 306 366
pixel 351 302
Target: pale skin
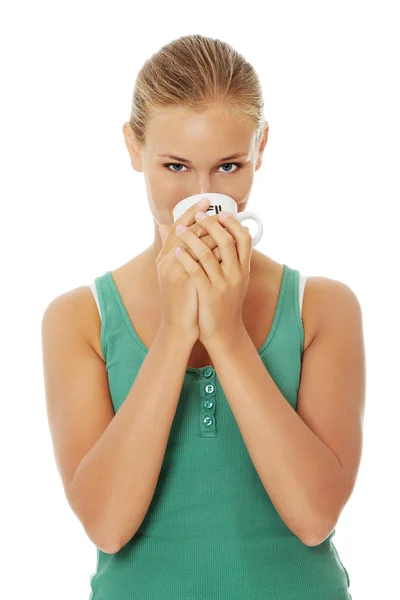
pixel 307 459
pixel 313 454
pixel 199 138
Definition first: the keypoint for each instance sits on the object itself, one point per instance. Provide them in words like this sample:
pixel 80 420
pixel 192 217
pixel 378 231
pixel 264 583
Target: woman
pixel 206 422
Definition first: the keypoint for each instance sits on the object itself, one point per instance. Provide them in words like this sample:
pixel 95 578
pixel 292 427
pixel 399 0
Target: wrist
pixel 179 337
pixel 226 340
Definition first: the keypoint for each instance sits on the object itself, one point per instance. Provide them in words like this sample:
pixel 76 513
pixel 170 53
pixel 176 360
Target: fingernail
pixel 203 203
pixel 223 214
pixel 181 228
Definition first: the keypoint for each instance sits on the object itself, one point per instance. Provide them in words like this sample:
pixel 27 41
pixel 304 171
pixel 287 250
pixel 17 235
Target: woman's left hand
pixel 221 287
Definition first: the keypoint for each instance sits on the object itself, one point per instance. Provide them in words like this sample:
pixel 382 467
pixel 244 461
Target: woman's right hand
pixel 179 299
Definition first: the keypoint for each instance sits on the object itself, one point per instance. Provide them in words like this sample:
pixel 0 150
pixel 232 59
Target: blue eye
pixel 167 165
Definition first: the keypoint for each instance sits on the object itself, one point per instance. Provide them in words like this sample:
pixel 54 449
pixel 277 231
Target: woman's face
pixel 204 140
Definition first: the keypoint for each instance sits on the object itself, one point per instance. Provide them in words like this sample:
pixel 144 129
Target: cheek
pixel 161 193
pixel 241 190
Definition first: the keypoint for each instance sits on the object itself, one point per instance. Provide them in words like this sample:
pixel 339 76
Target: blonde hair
pixel 197 72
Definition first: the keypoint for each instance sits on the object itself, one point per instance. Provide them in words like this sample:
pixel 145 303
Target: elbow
pixel 322 525
pixel 99 535
pixel 109 548
pixel 314 540
pixel 105 543
pixel 112 547
pixel 106 540
pixel 318 534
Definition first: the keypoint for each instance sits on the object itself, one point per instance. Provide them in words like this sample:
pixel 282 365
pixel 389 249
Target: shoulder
pixel 324 299
pixel 70 303
pixel 331 302
pixel 76 308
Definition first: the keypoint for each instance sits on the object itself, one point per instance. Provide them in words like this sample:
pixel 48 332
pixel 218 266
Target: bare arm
pixel 307 458
pixel 115 482
pixel 111 487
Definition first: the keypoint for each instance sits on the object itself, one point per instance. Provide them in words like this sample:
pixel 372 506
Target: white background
pixel 72 208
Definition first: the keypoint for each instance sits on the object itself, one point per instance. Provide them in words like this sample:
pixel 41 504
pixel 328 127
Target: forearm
pixel 115 482
pixel 299 472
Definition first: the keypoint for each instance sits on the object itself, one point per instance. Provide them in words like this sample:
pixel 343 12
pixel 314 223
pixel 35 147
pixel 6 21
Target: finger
pixel 225 241
pixel 243 238
pixel 194 269
pixel 206 238
pixel 209 240
pixel 198 230
pixel 205 256
pixel 187 219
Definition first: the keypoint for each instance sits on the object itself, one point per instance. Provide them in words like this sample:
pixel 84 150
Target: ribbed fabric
pixel 211 531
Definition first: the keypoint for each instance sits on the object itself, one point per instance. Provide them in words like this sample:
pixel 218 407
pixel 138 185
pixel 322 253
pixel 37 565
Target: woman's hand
pixel 171 241
pixel 179 299
pixel 221 287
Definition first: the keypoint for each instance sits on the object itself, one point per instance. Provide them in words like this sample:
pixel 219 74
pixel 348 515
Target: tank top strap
pixel 113 326
pixel 290 319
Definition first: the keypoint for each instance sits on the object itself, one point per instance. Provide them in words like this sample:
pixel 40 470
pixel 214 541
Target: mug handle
pixel 248 214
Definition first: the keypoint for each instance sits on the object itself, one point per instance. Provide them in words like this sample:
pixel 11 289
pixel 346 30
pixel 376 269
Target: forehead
pixel 178 129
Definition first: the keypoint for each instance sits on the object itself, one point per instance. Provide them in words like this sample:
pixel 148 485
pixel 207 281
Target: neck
pixel 150 254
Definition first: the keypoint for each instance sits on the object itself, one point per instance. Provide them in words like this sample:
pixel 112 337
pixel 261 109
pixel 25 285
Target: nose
pixel 204 186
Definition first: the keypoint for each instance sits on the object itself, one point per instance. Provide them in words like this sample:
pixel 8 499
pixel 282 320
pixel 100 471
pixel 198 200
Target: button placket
pixel 207 403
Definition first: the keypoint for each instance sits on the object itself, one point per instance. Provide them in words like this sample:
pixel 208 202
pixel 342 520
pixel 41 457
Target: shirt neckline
pixel 199 370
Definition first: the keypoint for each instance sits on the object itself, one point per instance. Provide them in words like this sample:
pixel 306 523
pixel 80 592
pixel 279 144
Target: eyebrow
pixel 183 160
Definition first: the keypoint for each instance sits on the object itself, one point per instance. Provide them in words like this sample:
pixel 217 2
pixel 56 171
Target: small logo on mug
pixel 217 207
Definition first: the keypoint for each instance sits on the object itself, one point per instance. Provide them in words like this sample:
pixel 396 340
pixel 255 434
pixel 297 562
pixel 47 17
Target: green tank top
pixel 211 531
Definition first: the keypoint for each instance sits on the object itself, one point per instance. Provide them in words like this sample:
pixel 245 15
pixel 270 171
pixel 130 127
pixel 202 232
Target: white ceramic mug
pixel 218 203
